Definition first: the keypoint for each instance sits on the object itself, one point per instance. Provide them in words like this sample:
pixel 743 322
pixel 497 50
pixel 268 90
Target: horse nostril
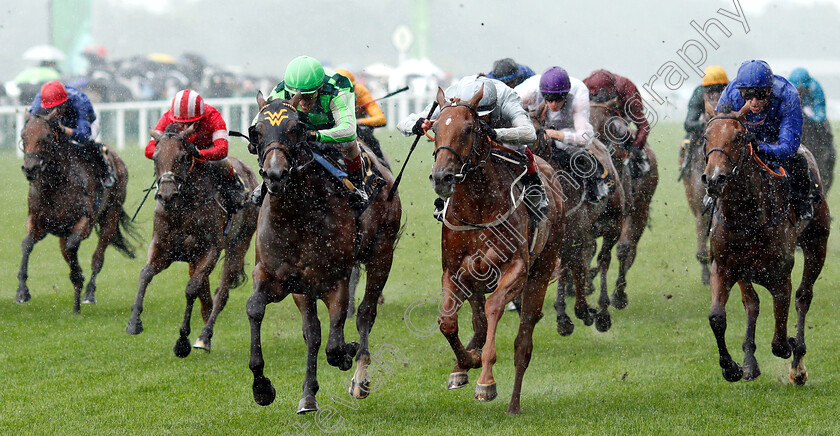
pixel 449 178
pixel 703 179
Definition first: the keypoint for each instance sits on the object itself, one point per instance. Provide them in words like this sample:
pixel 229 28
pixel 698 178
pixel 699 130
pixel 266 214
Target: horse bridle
pixel 169 176
pixel 43 158
pixel 467 165
pixel 736 164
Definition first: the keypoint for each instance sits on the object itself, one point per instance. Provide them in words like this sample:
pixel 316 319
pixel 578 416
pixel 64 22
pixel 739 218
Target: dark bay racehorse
pixel 753 239
pixel 585 222
pixel 189 226
pixel 308 241
pixel 692 165
pixel 820 142
pixel 66 200
pixel 613 130
pixel 488 245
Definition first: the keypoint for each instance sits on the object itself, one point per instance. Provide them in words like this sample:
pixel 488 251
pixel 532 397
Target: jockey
pixel 327 111
pixel 714 80
pixel 369 115
pixel 810 93
pixel 509 72
pixel 210 141
pixel 605 86
pixel 78 122
pixel 561 104
pixel 774 123
pixel 501 108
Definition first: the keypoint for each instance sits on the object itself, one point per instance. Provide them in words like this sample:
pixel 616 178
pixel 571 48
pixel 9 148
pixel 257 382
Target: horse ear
pixel 188 131
pixel 261 103
pixel 441 97
pixel 710 110
pixel 612 103
pixel 477 97
pixel 742 114
pixel 296 99
pixel 51 116
pixel 155 134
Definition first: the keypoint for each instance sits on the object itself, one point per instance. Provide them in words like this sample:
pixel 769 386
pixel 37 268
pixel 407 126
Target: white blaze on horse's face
pixel 448 121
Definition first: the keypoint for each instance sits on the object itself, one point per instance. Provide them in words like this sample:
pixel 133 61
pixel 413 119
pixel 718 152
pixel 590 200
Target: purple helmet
pixel 555 80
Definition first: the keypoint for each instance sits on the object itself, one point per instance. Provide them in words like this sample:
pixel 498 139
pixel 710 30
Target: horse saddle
pixel 330 159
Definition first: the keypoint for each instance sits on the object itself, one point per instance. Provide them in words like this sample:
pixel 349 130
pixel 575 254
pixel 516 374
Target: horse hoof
pixel 359 390
pixel 781 349
pixel 619 300
pixel 751 372
pixel 264 392
pixel 202 344
pixel 89 299
pixel 182 347
pixel 134 328
pixel 798 375
pixel 307 404
pixel 457 380
pixel 565 326
pixel 603 322
pixel 732 372
pixel 23 298
pixel 485 392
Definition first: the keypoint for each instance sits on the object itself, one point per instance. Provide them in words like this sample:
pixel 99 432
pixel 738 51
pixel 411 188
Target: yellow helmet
pixel 715 75
pixel 347 74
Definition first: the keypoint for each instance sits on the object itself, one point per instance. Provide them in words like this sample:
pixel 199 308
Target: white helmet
pixel 469 88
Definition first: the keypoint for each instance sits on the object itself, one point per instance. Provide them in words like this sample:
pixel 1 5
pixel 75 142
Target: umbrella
pixel 36 75
pixel 43 53
pixel 161 58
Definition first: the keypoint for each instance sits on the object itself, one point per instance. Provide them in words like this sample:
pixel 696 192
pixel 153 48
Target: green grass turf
pixel 656 371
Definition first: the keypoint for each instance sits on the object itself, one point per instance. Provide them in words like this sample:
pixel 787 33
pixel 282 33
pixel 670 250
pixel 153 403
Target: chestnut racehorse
pixel 488 244
pixel 189 226
pixel 753 240
pixel 66 200
pixel 308 241
pixel 613 131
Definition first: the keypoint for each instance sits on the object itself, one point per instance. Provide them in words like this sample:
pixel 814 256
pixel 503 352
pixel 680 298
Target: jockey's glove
pixel 751 138
pixel 491 132
pixel 192 150
pixel 312 135
pixel 418 127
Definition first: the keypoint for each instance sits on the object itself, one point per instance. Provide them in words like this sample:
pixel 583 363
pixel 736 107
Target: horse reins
pixel 749 149
pixel 466 164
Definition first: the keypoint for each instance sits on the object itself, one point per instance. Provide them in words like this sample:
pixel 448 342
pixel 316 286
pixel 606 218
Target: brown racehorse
pixel 820 141
pixel 692 164
pixel 65 199
pixel 753 239
pixel 308 241
pixel 189 226
pixel 613 130
pixel 585 222
pixel 491 247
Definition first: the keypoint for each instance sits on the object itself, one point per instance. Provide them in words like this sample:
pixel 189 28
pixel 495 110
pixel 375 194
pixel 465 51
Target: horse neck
pixel 306 193
pixel 750 199
pixel 482 194
pixel 64 168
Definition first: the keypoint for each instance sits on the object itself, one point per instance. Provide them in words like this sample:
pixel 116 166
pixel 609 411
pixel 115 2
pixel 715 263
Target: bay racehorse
pixel 308 241
pixel 584 223
pixel 820 141
pixel 753 240
pixel 190 225
pixel 66 199
pixel 488 244
pixel 692 164
pixel 614 132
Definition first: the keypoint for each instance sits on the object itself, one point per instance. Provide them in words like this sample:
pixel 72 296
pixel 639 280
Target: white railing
pixel 128 122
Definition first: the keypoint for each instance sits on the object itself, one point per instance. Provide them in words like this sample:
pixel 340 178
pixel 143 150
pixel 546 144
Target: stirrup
pixel 439 207
pixel 258 195
pixel 108 181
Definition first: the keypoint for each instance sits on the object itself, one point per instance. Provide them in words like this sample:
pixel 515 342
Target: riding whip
pixel 390 94
pixel 144 198
pixel 416 140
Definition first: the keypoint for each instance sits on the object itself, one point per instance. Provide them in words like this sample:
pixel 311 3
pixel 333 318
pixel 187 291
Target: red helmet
pixel 187 106
pixel 53 94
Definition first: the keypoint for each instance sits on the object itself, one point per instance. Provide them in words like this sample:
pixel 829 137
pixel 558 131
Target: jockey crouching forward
pixel 501 108
pixel 78 122
pixel 208 144
pixel 561 104
pixel 327 110
pixel 774 126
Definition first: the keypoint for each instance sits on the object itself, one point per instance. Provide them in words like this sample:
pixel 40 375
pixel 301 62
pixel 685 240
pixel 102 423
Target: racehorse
pixel 585 222
pixel 190 225
pixel 753 239
pixel 488 244
pixel 613 131
pixel 820 142
pixel 692 164
pixel 66 200
pixel 308 241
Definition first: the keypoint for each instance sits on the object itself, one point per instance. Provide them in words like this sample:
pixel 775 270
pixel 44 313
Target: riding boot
pixel 597 188
pixel 107 174
pixel 358 176
pixel 637 161
pixel 799 178
pixel 439 205
pixel 258 195
pixel 365 133
pixel 231 187
pixel 535 197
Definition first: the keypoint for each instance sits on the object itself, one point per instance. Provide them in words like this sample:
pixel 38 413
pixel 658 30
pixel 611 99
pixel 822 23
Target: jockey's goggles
pixel 554 96
pixel 760 93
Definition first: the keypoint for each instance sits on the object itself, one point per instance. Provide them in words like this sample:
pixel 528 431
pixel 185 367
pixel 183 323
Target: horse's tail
pixel 125 227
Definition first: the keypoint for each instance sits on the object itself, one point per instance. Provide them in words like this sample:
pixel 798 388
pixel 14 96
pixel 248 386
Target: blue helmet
pixel 754 74
pixel 800 77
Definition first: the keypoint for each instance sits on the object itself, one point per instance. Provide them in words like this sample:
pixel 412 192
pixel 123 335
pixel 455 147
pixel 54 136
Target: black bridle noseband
pixel 735 163
pixel 467 165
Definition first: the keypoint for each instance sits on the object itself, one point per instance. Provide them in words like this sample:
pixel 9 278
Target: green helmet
pixel 304 74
